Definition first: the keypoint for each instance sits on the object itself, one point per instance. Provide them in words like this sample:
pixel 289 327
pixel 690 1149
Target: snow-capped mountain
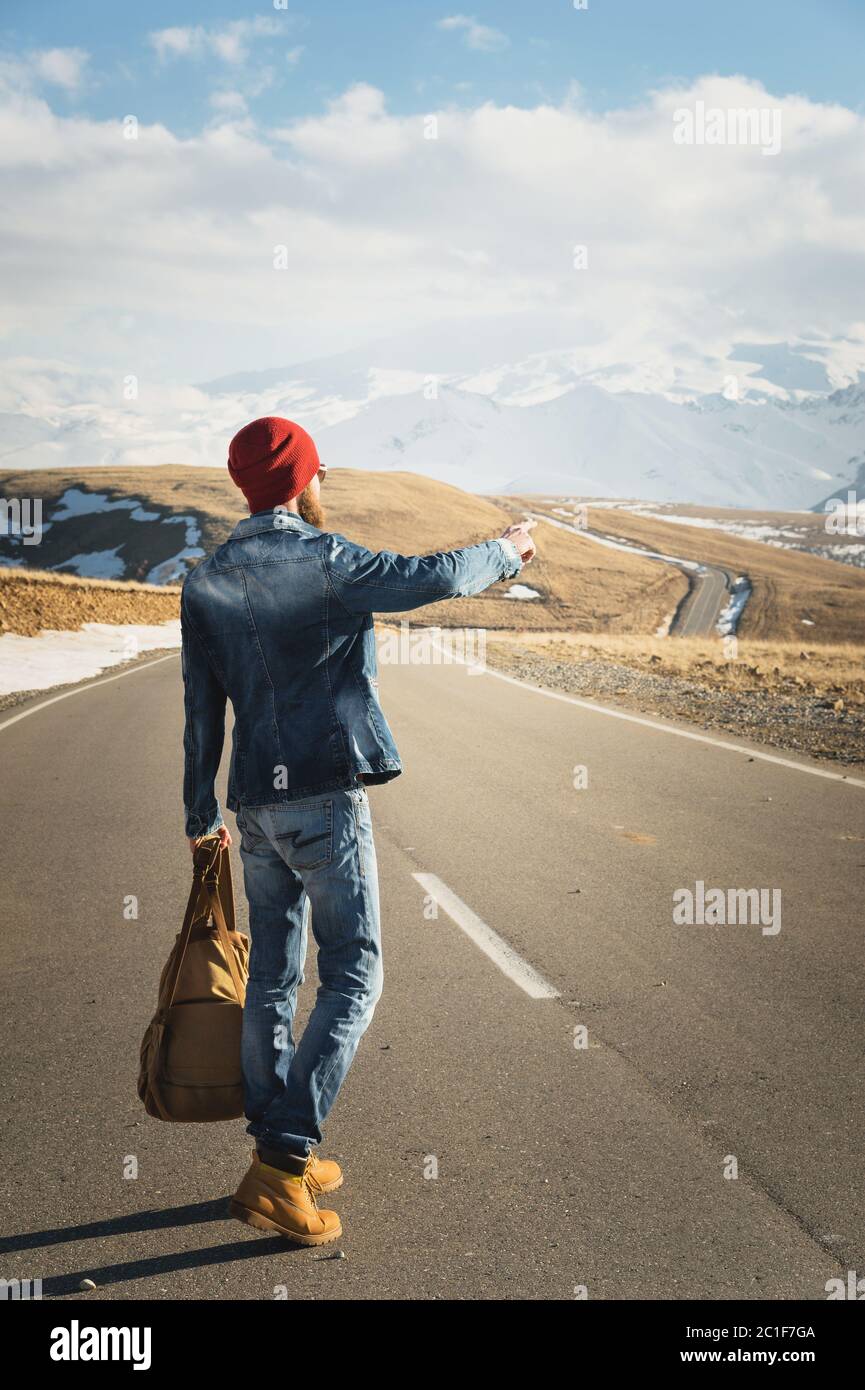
pixel 552 422
pixel 595 443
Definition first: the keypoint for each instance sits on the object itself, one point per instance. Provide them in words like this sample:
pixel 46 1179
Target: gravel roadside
pixel 796 722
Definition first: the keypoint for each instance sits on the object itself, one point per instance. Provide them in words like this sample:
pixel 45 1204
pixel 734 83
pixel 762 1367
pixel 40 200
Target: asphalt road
pixel 486 1156
pixel 709 595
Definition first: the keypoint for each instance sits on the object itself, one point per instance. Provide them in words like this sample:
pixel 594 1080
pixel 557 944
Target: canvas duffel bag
pixel 190 1055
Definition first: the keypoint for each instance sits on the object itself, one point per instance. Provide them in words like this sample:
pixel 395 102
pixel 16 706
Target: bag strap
pixel 211 891
pixel 219 888
pixel 226 890
pixel 196 907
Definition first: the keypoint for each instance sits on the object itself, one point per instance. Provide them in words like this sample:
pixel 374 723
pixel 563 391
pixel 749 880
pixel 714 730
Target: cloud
pixel 177 42
pixel 230 103
pixel 166 265
pixel 355 130
pixel 60 67
pixel 477 36
pixel 230 43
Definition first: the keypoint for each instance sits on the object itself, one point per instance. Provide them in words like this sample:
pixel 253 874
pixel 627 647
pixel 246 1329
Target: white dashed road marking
pixel 509 961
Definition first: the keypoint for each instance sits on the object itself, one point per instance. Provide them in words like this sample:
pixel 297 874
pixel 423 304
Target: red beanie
pixel 271 460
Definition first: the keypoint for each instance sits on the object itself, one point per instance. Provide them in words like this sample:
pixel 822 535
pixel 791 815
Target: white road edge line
pixel 654 724
pixel 79 689
pixel 509 961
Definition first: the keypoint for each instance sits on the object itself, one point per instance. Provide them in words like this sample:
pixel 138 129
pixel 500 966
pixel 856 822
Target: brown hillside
pixel 581 585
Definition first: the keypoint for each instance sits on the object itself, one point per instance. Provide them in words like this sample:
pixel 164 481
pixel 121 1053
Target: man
pixel 279 621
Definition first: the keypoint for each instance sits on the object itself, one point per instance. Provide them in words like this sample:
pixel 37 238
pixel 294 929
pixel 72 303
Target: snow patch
pixel 521 591
pixel 75 502
pixel 728 619
pixel 95 564
pixel 169 571
pixel 61 658
pixel 175 569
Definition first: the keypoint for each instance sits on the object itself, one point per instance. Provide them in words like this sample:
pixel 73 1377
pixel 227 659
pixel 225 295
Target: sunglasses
pixel 322 472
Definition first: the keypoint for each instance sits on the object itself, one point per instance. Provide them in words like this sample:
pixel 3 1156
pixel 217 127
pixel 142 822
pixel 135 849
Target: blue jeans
pixel 307 862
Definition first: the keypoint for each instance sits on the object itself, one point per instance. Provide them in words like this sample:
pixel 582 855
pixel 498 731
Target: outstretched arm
pixel 384 582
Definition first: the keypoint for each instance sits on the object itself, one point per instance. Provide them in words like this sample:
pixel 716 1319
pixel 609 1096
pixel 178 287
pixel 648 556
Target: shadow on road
pixel 197 1213
pixel 192 1215
pixel 166 1264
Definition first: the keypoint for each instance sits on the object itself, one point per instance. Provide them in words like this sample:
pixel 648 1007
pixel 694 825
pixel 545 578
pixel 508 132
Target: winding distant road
pixel 708 597
pixel 559 1082
pixel 709 587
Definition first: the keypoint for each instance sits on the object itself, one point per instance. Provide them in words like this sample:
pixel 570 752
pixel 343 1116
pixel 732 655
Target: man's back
pixel 279 620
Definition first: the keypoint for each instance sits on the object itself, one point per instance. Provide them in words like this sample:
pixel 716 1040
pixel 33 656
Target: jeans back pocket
pixel 304 833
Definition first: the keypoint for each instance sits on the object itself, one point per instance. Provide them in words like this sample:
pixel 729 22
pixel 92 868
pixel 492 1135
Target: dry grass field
pixel 32 601
pixel 581 585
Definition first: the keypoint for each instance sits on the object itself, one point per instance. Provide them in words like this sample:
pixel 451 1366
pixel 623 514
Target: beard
pixel 310 509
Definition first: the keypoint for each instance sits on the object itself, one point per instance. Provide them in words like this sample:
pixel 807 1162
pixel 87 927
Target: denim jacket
pixel 279 621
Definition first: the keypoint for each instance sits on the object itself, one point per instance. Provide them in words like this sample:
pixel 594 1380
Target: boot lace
pixel 312 1184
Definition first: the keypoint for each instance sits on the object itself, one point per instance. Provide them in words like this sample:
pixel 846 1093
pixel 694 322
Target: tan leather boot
pixel 325 1172
pixel 272 1200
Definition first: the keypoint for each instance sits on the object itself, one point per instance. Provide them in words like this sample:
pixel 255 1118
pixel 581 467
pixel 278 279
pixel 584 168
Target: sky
pixel 511 51
pixel 198 190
